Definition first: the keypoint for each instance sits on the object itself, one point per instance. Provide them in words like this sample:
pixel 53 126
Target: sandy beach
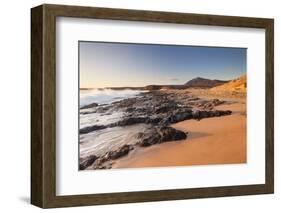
pixel 218 140
pixel 167 127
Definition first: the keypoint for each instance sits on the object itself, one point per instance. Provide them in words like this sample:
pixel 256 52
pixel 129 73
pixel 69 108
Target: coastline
pixel 164 128
pixel 218 140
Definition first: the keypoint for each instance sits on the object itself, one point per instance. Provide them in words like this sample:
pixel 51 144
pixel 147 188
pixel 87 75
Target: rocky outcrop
pixel 130 121
pixel 105 161
pixel 120 152
pixel 88 161
pixel 159 135
pixel 198 115
pixel 151 136
pixel 89 106
pixel 163 119
pixel 157 111
pixel 171 134
pixel 88 129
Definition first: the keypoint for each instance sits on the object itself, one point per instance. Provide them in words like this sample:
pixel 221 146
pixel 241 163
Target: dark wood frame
pixel 43 105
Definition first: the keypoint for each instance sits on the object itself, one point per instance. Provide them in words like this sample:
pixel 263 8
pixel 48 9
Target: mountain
pixel 194 83
pixel 203 82
pixel 238 84
pixel 158 87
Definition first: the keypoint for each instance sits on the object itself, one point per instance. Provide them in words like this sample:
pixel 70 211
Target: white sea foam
pixel 101 141
pixel 105 96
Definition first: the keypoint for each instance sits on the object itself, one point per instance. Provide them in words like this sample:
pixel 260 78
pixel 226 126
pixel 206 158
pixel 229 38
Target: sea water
pixel 105 96
pixel 100 141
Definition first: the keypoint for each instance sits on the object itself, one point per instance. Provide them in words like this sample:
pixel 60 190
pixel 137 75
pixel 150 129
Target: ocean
pixel 102 141
pixel 105 96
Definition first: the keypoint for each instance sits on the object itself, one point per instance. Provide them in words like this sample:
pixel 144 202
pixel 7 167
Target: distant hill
pixel 203 82
pixel 157 87
pixel 194 83
pixel 238 84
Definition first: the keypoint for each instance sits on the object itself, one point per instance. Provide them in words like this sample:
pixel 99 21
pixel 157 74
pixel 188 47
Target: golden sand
pixel 218 140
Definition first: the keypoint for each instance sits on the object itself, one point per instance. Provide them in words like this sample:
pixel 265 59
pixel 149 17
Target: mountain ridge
pixel 198 82
pixel 238 84
pixel 204 82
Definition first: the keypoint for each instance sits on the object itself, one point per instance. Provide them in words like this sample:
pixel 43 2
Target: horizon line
pixel 109 87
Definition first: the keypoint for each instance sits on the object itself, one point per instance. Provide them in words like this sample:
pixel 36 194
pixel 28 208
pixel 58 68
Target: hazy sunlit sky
pixel 123 64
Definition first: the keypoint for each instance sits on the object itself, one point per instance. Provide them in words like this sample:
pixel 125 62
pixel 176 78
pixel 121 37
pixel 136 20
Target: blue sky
pixel 124 64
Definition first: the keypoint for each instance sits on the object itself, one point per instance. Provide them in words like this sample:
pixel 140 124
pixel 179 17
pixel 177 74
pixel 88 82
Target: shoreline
pixel 218 140
pixel 165 128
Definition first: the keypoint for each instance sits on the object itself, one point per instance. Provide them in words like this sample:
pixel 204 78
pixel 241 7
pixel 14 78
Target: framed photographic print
pixel 136 106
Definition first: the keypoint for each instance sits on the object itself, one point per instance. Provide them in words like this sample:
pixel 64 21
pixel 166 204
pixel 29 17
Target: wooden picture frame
pixel 43 105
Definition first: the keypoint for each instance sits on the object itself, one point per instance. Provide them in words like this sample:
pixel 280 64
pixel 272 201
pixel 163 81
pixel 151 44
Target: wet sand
pixel 218 140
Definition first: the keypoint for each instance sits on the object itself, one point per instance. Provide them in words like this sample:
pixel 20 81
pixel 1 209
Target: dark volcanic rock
pixel 88 129
pixel 130 109
pixel 89 106
pixel 113 155
pixel 166 108
pixel 160 135
pixel 153 135
pixel 223 112
pixel 137 120
pixel 86 113
pixel 177 116
pixel 205 104
pixel 126 103
pixel 102 164
pixel 209 105
pixel 171 134
pixel 120 152
pixel 162 119
pixel 198 114
pixel 149 137
pixel 88 161
pixel 130 121
pixel 103 109
pixel 106 161
pixel 217 102
pixel 181 115
pixel 154 120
